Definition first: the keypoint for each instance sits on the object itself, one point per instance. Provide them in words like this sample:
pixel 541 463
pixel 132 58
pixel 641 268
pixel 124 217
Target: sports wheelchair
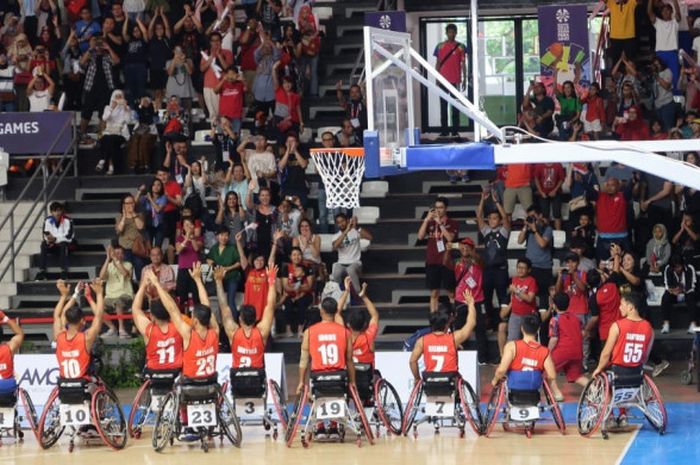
pixel 444 399
pixel 249 390
pixel 10 419
pixel 379 399
pixel 519 409
pixel 156 385
pixel 619 387
pixel 331 397
pixel 196 408
pixel 80 407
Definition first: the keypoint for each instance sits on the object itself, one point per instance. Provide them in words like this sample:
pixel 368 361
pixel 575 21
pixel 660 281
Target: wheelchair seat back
pixel 530 380
pixel 247 383
pixel 329 384
pixel 627 377
pixel 8 399
pixel 364 377
pixel 161 380
pixel 439 384
pixel 199 391
pixel 73 391
pixel 521 398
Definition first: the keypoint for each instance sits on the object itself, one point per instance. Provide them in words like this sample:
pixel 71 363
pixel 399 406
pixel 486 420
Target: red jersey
pixel 469 278
pixel 247 351
pixel 297 281
pixel 529 356
pixel 287 103
pixel 567 328
pixel 72 355
pixel 577 297
pixel 450 60
pixel 363 345
pixel 608 308
pixel 524 285
pixel 172 189
pixel 549 175
pixel 231 99
pixel 256 288
pixel 328 344
pixel 440 353
pixel 164 349
pixel 611 213
pixel 7 364
pixel 199 358
pixel 633 344
pixel 434 235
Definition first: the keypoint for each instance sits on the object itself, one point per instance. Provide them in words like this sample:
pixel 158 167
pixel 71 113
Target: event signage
pixel 35 133
pixel 389 20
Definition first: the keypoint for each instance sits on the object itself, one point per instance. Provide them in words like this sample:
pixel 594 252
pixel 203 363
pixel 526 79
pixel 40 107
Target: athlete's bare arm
pixel 230 325
pixel 303 361
pixel 415 356
pixel 183 328
pixel 196 274
pixel 550 371
pixel 347 283
pixel 463 333
pixel 98 308
pixel 141 321
pixel 506 360
pixel 608 349
pixel 18 334
pixel 59 324
pixel 265 325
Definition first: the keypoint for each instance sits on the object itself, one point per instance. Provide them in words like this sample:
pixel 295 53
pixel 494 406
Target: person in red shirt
pixel 73 346
pixel 247 336
pixel 439 229
pixel 525 362
pixel 603 303
pixel 634 127
pixel 548 180
pixel 8 383
pixel 565 343
pixel 163 341
pixel 517 186
pixel 231 89
pixel 211 65
pixel 595 115
pixel 200 339
pixel 171 212
pixel 611 215
pixel 250 40
pixel 326 343
pixel 523 292
pixel 451 62
pixel 572 282
pixel 256 286
pixel 363 330
pixel 287 105
pixel 439 347
pixel 298 287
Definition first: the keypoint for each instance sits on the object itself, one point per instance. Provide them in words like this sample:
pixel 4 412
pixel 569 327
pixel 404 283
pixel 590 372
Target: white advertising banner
pixel 394 368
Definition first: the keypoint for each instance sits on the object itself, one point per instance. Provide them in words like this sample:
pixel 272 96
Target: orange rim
pixel 347 151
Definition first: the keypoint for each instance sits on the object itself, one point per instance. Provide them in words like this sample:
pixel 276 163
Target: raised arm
pixel 230 325
pixel 265 324
pixel 371 308
pixel 141 321
pixel 182 327
pixel 58 321
pixel 98 308
pixel 18 335
pixel 463 333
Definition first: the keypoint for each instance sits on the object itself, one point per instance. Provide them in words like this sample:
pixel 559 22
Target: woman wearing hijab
pixel 115 117
pixel 658 250
pixel 631 127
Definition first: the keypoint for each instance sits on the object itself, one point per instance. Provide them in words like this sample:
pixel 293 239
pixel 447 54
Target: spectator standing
pixel 572 282
pixel 517 186
pixel 171 212
pixel 228 256
pixel 40 90
pixel 236 180
pixel 308 50
pixel 129 226
pixel 657 203
pixel 538 236
pixel 309 244
pixel 611 213
pixel 187 247
pixel 152 203
pixel 116 117
pixel 523 298
pixel 179 84
pixel 262 166
pixel 159 52
pixel 256 284
pixel 354 106
pixel 565 343
pixel 347 242
pixel 680 282
pixel 212 66
pixel 231 215
pixel 292 168
pixel 667 37
pixel 58 235
pixel 298 286
pixel 86 28
pixel 439 229
pixel 664 106
pixel 231 90
pixel 250 41
pixel 135 59
pixel 451 63
pixel 116 272
pixel 265 56
pixel 603 303
pixel 623 33
pixel 99 81
pixel 549 178
pixel 594 116
pixel 7 86
pixel 536 99
pixel 287 112
pixel 164 273
pixel 264 215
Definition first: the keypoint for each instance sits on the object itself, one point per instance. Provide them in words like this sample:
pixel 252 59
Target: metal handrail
pixel 12 248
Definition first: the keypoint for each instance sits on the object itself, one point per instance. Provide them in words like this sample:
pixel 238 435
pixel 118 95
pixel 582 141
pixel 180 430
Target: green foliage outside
pixel 123 364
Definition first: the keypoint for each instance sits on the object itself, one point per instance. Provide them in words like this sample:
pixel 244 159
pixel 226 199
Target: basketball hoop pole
pixel 475 64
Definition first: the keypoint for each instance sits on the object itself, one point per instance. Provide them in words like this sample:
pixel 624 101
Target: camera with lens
pixel 530 219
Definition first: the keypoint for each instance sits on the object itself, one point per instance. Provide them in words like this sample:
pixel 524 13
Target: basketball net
pixel 341 171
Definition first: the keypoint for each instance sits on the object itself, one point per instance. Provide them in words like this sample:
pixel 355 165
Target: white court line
pixel 628 445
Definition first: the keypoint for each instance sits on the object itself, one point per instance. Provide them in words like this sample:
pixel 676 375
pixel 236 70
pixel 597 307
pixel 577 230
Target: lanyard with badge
pixel 355 109
pixel 438 238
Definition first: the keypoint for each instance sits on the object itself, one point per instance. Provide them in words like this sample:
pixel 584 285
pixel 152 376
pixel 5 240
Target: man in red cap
pixel 468 276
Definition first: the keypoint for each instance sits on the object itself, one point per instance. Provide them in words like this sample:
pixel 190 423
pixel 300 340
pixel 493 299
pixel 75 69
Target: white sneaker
pixel 665 328
pixel 110 170
pixel 658 369
pixel 692 328
pixel 100 165
pixel 109 333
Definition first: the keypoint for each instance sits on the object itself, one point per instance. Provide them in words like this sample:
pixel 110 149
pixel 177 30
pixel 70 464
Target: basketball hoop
pixel 341 170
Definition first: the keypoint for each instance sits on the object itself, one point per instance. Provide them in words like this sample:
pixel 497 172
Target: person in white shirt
pixel 115 118
pixel 667 36
pixel 347 242
pixel 261 162
pixel 39 91
pixel 58 236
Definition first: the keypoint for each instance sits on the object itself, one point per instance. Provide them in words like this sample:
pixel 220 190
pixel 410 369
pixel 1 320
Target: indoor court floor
pixel 636 446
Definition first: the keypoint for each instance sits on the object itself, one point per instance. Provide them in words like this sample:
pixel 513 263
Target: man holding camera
pixel 438 229
pixel 539 235
pixel 97 62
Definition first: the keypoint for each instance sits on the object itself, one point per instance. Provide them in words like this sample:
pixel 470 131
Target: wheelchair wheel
pixel 593 405
pixel 361 412
pixel 29 410
pixel 388 404
pixel 109 418
pixel 470 406
pixel 654 409
pixel 166 419
pixel 412 407
pixel 140 409
pixel 686 377
pixel 493 408
pixel 295 418
pixel 228 419
pixel 279 402
pixel 50 429
pixel 554 408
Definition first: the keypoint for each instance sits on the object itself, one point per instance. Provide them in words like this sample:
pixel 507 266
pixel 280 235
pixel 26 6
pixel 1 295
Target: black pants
pixel 60 249
pixel 668 300
pixel 112 149
pixel 617 46
pixel 185 285
pixel 482 343
pixel 443 114
pixel 170 225
pixel 543 278
pixel 295 311
pixel 494 279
